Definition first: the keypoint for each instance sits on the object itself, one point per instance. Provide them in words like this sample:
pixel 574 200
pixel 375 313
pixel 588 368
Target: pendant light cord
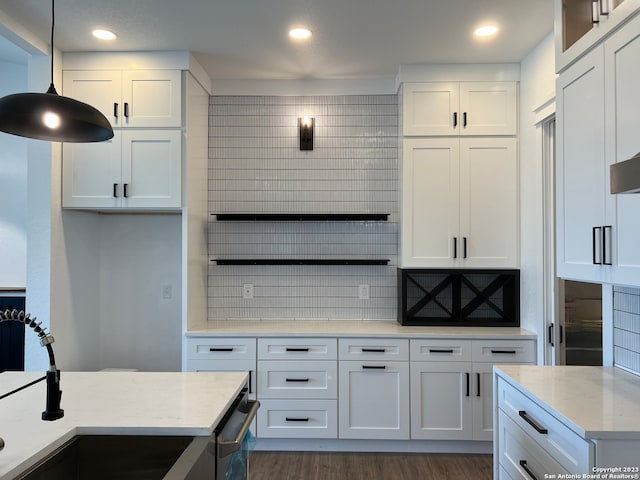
pixel 52 88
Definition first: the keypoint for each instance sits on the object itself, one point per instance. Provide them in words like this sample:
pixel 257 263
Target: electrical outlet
pixel 247 290
pixel 167 292
pixel 363 292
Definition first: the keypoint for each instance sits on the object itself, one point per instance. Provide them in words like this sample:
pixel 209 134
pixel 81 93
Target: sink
pixel 122 457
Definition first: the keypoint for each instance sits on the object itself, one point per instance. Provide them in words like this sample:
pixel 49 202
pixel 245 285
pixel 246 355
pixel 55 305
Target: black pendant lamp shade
pixel 49 116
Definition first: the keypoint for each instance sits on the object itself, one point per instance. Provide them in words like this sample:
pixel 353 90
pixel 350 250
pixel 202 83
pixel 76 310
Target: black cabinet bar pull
pixel 115 110
pixel 374 350
pixel 538 428
pixel 550 334
pixel 294 419
pixel 221 349
pixel 250 381
pixel 505 352
pixel 561 334
pixel 455 247
pixel 464 119
pixel 477 384
pixel 467 375
pixel 455 119
pixel 441 350
pixel 604 245
pixel 594 236
pixel 523 464
pixel 126 110
pixel 464 247
pixel 297 349
pixel 299 380
pixel 125 189
pixel 115 190
pixel 374 367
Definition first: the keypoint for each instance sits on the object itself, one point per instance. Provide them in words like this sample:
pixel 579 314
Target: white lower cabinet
pixel 366 388
pixel 373 402
pixel 297 388
pixel 451 385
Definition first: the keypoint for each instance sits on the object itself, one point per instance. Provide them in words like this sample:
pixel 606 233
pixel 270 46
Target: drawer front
pixel 504 351
pixel 384 349
pixel 573 452
pixel 520 456
pixel 214 365
pixel 298 419
pixel 297 348
pixel 221 348
pixel 440 350
pixel 309 379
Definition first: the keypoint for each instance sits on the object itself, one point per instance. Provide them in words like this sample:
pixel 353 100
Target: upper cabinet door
pixel 581 209
pixel 459 108
pixel 431 109
pixel 622 70
pixel 488 108
pixel 430 202
pixel 152 98
pixel 151 169
pixel 136 98
pixel 100 89
pixel 489 202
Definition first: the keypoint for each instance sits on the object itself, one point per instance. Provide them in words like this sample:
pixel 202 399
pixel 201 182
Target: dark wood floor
pixel 368 466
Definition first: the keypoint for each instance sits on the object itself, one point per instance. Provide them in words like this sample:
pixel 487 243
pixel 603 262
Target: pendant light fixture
pixel 49 116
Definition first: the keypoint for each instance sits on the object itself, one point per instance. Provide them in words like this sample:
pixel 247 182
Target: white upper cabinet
pixel 459 203
pixel 130 98
pixel 581 172
pixel 622 100
pixel 459 108
pixel 136 169
pixel 598 103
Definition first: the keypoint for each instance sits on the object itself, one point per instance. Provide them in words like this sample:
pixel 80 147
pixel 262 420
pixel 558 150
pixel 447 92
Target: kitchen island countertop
pixel 594 402
pixel 348 328
pixel 109 403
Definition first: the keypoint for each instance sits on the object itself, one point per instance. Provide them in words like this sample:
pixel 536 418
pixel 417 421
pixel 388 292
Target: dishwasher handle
pixel 227 447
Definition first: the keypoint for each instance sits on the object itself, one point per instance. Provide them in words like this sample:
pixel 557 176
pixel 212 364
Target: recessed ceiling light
pixel 104 34
pixel 300 33
pixel 485 31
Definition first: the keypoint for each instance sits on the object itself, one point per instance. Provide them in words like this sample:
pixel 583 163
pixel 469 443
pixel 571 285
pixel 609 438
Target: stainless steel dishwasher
pixel 225 453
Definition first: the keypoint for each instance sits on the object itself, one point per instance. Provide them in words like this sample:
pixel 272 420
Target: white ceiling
pixel 247 39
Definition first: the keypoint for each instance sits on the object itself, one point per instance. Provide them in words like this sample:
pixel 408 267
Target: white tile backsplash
pixel 255 166
pixel 626 328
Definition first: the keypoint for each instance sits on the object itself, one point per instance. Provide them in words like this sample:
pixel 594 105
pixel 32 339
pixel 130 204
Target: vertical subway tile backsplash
pixel 256 166
pixel 626 328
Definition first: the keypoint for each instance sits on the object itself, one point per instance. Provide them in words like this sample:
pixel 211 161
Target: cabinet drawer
pixel 518 452
pixel 504 351
pixel 309 379
pixel 297 348
pixel 573 452
pixel 298 419
pixel 221 348
pixel 383 349
pixel 440 350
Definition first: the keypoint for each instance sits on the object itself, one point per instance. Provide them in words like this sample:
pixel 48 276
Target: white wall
pixel 537 86
pixel 13 188
pixel 139 255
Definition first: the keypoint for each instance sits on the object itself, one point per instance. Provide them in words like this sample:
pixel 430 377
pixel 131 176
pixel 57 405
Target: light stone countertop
pixel 595 402
pixel 349 328
pixel 109 403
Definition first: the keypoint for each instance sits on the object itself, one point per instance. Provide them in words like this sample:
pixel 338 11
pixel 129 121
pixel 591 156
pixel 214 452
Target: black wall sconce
pixel 305 127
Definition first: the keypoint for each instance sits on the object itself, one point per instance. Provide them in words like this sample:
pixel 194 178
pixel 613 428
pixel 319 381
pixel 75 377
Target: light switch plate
pixel 247 290
pixel 363 292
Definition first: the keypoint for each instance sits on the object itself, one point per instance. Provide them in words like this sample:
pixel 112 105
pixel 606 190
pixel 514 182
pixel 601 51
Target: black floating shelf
pixel 299 261
pixel 301 217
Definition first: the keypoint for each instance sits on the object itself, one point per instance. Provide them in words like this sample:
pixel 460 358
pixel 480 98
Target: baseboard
pixel 391 446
